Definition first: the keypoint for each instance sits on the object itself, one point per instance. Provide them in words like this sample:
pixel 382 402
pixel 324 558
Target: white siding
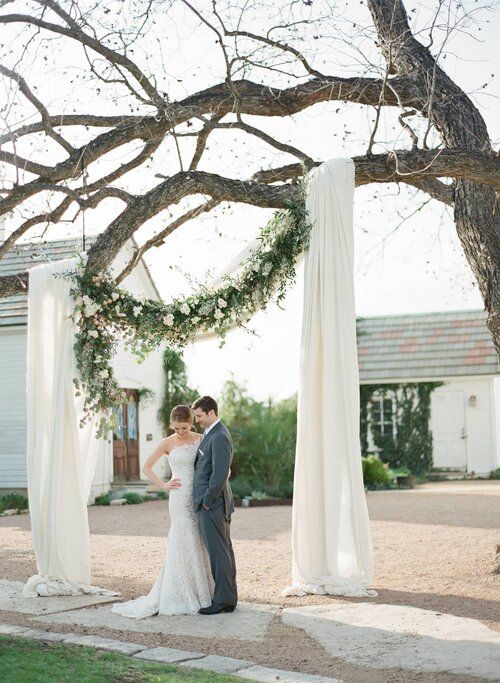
pixel 481 442
pixel 129 373
pixel 103 473
pixel 13 408
pixel 495 393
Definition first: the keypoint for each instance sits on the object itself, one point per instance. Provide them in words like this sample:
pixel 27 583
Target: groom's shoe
pixel 217 609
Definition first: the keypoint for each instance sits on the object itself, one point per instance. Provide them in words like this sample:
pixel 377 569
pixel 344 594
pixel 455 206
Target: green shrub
pixel 162 495
pixel 103 499
pixel 264 441
pixel 410 445
pixel 134 498
pixel 375 473
pixel 495 474
pixel 13 501
pixel 241 488
pixel 259 495
pixel 401 472
pixel 244 488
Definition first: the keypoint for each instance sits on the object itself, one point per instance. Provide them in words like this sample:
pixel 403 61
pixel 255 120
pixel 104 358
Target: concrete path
pixel 372 636
pixel 12 600
pixel 395 636
pixel 248 622
pixel 487 487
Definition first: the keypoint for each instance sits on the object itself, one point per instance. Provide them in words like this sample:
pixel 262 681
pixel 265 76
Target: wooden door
pixel 126 439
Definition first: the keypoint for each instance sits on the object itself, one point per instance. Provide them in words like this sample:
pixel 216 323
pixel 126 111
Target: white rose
pixel 185 309
pixel 93 333
pixel 218 314
pixel 222 303
pixel 195 320
pixel 115 296
pixel 169 320
pixel 87 300
pixel 91 310
pixel 104 374
pixel 136 310
pixel 98 358
pixel 268 268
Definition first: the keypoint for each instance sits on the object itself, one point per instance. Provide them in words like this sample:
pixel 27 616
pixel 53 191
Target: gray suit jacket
pixel 211 469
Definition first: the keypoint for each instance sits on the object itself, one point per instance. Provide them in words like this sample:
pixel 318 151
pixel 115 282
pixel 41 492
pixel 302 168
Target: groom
pixel 213 500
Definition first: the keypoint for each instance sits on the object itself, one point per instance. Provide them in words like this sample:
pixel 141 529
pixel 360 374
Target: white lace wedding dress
pixel 185 582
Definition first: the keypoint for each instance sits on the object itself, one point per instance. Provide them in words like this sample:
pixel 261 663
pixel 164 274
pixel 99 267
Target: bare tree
pixel 275 62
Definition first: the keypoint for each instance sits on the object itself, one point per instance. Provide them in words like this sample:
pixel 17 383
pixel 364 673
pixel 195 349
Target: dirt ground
pixel 434 549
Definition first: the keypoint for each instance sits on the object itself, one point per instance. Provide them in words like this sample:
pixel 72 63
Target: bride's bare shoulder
pixel 167 444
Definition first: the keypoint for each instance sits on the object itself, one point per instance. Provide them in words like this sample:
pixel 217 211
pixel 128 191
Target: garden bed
pixel 262 502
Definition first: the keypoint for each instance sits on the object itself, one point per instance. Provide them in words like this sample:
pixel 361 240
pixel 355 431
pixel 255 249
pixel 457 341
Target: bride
pixel 185 583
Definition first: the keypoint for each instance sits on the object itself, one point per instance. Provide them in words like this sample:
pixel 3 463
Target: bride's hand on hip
pixel 173 483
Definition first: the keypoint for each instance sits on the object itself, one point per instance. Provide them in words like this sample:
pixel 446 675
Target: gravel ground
pixel 434 549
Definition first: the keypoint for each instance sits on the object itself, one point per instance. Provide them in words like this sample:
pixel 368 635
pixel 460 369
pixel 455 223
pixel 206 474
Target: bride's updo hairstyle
pixel 181 414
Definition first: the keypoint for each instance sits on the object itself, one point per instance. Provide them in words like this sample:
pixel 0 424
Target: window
pixel 382 415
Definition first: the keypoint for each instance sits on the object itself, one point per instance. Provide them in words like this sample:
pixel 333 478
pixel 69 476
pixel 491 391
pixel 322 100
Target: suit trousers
pixel 215 529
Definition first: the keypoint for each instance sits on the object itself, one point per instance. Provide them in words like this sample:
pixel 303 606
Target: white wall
pixel 13 422
pixel 482 439
pixel 495 391
pixel 13 408
pixel 132 375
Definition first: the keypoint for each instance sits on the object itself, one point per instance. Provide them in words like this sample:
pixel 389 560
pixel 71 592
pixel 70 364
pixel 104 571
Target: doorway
pixel 449 430
pixel 126 439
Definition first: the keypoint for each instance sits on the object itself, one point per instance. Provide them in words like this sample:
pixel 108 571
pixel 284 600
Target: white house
pixel 121 458
pixel 454 348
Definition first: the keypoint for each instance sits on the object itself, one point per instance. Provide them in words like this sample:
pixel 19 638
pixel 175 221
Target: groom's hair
pixel 206 403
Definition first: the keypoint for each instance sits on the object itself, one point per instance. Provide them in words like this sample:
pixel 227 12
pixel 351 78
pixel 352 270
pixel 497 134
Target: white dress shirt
pixel 209 428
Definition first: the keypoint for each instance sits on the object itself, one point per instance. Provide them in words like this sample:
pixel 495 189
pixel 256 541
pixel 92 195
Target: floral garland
pixel 105 314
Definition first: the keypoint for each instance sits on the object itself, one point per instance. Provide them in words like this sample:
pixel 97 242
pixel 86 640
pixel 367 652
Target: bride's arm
pixel 161 449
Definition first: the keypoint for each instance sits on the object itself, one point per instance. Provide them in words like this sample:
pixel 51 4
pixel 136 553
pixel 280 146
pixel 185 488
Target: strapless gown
pixel 185 583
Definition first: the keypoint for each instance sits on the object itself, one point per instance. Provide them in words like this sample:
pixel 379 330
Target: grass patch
pixel 28 661
pixel 133 498
pixel 103 499
pixel 13 501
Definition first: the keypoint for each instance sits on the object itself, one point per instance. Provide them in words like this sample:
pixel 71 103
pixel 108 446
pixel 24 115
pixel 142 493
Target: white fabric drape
pixel 332 548
pixel 61 455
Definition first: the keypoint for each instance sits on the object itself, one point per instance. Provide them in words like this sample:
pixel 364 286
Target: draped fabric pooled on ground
pixel 61 455
pixel 332 547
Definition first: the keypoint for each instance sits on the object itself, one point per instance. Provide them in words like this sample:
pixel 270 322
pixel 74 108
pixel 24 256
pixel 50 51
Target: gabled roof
pixel 428 345
pixel 22 257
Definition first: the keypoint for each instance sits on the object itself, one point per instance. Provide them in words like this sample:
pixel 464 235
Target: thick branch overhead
pixel 60 155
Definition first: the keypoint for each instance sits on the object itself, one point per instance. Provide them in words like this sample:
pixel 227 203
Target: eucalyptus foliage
pixel 105 313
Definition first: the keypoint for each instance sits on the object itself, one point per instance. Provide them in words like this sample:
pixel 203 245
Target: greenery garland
pixel 105 314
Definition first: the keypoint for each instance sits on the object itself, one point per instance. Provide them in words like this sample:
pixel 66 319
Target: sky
pixel 407 256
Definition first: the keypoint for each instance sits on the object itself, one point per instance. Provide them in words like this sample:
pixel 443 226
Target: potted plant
pixel 405 479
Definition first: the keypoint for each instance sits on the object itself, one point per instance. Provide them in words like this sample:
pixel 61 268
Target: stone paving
pixel 11 600
pixel 194 660
pixel 248 622
pixel 397 636
pixel 370 635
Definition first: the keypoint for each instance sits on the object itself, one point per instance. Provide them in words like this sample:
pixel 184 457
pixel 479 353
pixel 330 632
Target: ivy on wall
pixel 409 445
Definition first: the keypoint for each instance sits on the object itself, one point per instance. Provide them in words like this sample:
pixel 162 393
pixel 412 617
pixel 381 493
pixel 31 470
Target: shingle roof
pixel 429 345
pixel 14 309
